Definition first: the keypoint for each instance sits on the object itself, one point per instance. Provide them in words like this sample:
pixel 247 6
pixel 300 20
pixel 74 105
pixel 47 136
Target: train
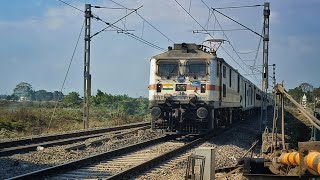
pixel 193 91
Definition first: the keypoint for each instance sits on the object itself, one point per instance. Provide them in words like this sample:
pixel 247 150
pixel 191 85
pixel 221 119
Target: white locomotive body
pixel 192 91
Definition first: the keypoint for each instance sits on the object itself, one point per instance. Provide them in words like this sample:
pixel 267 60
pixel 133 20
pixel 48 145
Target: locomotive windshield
pixel 196 68
pixel 168 68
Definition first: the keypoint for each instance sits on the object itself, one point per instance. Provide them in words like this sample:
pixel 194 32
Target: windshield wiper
pixel 172 70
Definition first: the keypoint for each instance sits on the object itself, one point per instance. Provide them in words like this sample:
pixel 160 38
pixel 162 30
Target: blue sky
pixel 38 37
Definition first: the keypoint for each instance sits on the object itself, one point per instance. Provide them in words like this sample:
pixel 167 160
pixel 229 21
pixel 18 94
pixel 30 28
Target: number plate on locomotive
pixel 180 98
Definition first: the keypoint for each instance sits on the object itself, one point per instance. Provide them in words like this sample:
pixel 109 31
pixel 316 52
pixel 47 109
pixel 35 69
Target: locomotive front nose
pixel 202 112
pixel 155 112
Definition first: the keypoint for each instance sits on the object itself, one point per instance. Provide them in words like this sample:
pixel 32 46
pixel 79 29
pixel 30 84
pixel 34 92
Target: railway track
pixel 123 162
pixel 30 144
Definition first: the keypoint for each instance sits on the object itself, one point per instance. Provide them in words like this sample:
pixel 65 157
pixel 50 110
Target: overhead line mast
pixel 87 75
pixel 265 75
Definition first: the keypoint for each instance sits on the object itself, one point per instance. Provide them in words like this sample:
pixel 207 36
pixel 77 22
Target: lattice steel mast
pixel 87 75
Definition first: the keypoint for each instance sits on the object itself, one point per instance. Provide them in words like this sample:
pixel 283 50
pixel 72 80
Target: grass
pixel 24 119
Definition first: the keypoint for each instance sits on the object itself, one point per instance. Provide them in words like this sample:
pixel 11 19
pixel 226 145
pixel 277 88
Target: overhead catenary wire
pixel 110 25
pixel 121 30
pixel 71 6
pixel 224 34
pixel 237 7
pixel 212 36
pixel 237 22
pixel 130 34
pixel 66 75
pixel 169 39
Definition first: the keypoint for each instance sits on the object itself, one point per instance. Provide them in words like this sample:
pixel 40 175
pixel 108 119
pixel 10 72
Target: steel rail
pixel 151 163
pixel 29 144
pixel 88 161
pixel 54 170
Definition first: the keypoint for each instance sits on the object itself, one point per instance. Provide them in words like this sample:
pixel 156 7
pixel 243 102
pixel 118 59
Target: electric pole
pixel 274 75
pixel 266 15
pixel 87 75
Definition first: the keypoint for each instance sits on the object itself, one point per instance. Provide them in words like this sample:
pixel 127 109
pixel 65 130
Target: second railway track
pixel 8 148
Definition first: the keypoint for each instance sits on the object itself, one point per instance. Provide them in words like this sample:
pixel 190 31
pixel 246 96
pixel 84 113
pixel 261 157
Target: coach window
pixel 218 69
pixel 224 71
pixel 230 75
pixel 238 90
pixel 224 90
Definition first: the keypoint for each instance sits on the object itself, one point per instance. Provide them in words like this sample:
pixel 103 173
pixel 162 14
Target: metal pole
pixel 274 75
pixel 266 14
pixel 282 122
pixel 87 75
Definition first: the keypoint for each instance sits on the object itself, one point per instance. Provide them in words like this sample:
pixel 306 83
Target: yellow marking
pixel 167 84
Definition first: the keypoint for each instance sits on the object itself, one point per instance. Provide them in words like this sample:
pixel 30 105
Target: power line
pixel 121 30
pixel 192 17
pixel 196 31
pixel 109 25
pixel 211 35
pixel 226 36
pixel 65 77
pixel 71 6
pixel 103 7
pixel 237 22
pixel 130 34
pixel 248 52
pixel 236 7
pixel 147 22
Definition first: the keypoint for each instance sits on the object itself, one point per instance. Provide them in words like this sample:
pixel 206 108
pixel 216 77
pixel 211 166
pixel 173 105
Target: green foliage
pixel 296 93
pixel 12 97
pixel 121 103
pixel 43 95
pixel 21 118
pixel 23 89
pixel 72 99
pixel 316 93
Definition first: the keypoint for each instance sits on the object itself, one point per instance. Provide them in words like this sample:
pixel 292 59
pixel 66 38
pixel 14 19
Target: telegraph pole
pixel 87 75
pixel 266 15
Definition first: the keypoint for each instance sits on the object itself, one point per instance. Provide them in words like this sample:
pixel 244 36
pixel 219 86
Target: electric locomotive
pixel 192 91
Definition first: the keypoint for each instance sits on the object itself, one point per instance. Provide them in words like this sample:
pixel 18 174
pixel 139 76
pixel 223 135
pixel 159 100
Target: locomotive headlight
pixel 203 88
pixel 202 112
pixel 159 87
pixel 156 112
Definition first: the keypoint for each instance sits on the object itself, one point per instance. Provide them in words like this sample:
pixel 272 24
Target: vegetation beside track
pixel 33 117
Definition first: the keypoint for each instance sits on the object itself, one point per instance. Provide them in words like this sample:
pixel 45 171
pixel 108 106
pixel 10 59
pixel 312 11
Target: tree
pixel 316 92
pixel 3 97
pixel 306 87
pixel 12 97
pixel 296 93
pixel 72 99
pixel 24 89
pixel 57 95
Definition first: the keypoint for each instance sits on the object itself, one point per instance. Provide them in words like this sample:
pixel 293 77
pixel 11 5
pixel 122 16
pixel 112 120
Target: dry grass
pixel 20 122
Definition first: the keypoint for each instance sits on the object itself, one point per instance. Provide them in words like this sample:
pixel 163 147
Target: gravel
pixel 229 147
pixel 22 163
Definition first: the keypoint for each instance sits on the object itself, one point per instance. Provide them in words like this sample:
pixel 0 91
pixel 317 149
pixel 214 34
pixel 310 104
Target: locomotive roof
pixel 185 51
